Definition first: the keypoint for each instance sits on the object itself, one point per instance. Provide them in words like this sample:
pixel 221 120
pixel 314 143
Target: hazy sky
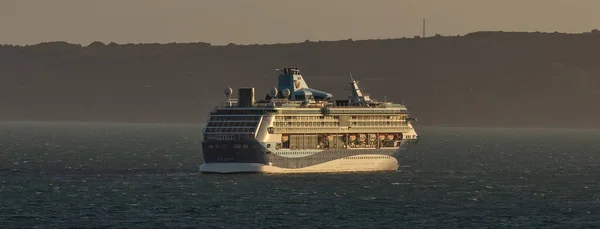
pixel 274 21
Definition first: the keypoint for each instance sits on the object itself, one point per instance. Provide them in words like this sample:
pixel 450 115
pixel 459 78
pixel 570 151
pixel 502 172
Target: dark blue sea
pixel 107 175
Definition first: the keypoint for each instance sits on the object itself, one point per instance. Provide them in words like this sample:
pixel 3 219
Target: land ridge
pixel 482 78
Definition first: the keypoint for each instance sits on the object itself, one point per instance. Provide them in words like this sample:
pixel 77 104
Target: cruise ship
pixel 298 129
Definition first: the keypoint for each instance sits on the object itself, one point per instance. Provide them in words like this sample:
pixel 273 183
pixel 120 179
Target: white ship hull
pixel 357 163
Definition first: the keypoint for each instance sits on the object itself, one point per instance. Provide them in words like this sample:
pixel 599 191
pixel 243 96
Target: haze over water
pixel 105 175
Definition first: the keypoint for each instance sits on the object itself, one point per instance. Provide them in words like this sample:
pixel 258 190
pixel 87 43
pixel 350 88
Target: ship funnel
pixel 291 79
pixel 246 97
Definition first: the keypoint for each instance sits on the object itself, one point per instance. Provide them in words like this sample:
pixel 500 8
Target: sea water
pixel 109 175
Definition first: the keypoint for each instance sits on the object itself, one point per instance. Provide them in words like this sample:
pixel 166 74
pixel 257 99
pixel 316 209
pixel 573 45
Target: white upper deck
pixel 293 93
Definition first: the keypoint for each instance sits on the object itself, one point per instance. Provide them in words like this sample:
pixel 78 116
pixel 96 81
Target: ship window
pixel 245 146
pixel 237 146
pixel 210 146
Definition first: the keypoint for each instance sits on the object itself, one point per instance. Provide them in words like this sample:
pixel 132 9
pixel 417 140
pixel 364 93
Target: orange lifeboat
pixel 352 137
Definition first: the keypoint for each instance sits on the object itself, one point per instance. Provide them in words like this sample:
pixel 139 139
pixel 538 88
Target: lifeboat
pixel 362 137
pixel 372 137
pixel 285 138
pixel 389 137
pixel 330 137
pixel 381 137
pixel 352 137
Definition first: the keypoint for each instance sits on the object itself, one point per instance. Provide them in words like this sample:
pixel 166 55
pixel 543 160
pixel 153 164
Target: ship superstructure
pixel 298 129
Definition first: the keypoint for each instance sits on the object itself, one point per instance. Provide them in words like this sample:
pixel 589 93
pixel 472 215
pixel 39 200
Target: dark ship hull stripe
pixel 256 153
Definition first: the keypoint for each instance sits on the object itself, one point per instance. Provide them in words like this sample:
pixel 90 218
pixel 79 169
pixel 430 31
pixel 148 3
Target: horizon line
pixel 292 42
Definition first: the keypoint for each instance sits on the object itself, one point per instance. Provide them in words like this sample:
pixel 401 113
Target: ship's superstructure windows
pixel 334 121
pixel 306 121
pixel 373 120
pixel 232 124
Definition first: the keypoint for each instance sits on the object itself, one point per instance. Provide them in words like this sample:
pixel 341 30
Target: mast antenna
pixel 423 27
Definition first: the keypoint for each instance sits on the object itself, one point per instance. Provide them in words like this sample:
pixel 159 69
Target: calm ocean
pixel 106 175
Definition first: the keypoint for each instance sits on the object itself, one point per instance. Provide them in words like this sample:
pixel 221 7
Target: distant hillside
pixel 483 78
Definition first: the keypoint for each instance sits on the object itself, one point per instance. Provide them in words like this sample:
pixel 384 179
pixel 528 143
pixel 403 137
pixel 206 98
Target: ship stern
pixel 233 157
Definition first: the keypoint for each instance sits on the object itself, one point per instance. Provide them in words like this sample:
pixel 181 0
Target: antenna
pixel 423 27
